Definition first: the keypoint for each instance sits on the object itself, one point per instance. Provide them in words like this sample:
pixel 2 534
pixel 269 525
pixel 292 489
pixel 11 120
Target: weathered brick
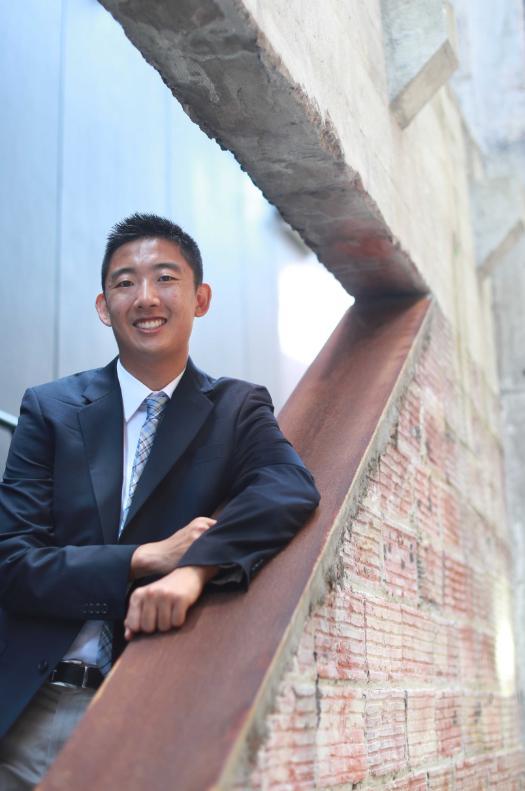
pixel 426 505
pixel 507 772
pixel 448 723
pixel 430 573
pixel 384 639
pixel 450 516
pixel 446 651
pixel 441 779
pixel 363 548
pixel 400 562
pixel 419 638
pixel 394 684
pixel 481 717
pixel 421 727
pixel 341 747
pixel 339 643
pixel 411 782
pixel 456 585
pixel 473 774
pixel 385 730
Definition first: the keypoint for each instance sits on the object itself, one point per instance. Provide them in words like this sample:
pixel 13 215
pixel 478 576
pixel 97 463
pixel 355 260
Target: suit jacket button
pixel 43 666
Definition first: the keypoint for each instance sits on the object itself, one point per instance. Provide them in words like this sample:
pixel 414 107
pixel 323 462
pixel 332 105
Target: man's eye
pixel 165 278
pixel 123 284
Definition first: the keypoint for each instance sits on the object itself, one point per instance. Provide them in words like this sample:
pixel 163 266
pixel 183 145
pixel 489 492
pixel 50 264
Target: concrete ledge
pixel 510 240
pixel 223 70
pixel 498 204
pixel 421 52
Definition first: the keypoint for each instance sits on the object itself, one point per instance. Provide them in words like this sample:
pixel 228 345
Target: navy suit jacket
pixel 61 562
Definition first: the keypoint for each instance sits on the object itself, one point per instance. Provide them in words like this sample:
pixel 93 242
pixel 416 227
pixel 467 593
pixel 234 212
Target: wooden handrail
pixel 176 708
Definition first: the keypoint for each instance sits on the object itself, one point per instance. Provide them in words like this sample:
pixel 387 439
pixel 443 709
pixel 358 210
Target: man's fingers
pixel 179 611
pixel 132 621
pixel 148 614
pixel 163 604
pixel 164 614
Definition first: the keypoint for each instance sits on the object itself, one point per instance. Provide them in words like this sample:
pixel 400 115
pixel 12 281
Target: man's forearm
pixel 161 557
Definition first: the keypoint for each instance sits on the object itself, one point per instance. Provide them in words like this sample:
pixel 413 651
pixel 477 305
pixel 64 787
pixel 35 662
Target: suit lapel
pixel 101 422
pixel 184 415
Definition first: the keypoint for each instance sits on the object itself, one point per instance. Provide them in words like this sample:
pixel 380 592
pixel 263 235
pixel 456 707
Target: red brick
pixel 341 748
pixel 450 516
pixel 446 652
pixel 385 725
pixel 421 727
pixel 430 573
pixel 419 639
pixel 362 549
pixel 339 642
pixel 473 774
pixel 409 425
pixel 394 683
pixel 411 782
pixel 448 723
pixel 400 562
pixel 481 717
pixel 384 639
pixel 441 779
pixel 510 722
pixel 426 505
pixel 507 772
pixel 434 430
pixel 456 586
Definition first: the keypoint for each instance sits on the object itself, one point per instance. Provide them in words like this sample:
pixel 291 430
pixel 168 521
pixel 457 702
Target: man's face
pixel 150 301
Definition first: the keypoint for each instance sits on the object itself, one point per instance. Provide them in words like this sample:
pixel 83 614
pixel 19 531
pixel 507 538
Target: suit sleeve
pixel 38 576
pixel 271 496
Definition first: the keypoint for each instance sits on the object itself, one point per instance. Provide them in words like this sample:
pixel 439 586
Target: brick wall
pixel 403 678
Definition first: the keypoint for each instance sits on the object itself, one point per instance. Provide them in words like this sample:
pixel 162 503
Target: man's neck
pixel 155 375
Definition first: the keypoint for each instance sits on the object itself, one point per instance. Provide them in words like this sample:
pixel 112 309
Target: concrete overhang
pixel 230 81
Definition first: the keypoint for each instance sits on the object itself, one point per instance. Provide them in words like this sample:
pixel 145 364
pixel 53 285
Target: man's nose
pixel 147 294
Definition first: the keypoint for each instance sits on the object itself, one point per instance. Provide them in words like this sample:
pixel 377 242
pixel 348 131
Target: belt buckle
pixel 67 684
pixel 84 684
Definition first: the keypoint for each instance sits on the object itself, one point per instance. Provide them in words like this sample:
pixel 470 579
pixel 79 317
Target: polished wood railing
pixel 177 708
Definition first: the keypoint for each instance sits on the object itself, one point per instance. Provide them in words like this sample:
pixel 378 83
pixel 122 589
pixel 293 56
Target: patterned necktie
pixel 155 404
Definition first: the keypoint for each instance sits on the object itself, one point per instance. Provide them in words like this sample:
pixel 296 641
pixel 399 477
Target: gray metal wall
pixel 90 133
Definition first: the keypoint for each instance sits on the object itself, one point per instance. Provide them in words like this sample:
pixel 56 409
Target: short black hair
pixel 151 226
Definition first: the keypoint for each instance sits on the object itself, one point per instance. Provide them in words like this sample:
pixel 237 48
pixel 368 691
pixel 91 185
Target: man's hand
pixel 165 603
pixel 161 557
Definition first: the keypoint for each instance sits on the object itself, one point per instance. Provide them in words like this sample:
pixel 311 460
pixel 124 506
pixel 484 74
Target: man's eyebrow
pixel 168 265
pixel 124 270
pixel 130 270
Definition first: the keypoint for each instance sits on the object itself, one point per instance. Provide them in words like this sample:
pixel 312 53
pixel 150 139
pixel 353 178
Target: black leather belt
pixel 74 673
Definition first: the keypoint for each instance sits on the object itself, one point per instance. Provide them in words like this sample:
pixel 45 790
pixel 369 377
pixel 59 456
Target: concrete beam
pixel 220 66
pixel 421 52
pixel 498 204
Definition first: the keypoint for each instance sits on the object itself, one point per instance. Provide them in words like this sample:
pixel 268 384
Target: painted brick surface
pixel 404 675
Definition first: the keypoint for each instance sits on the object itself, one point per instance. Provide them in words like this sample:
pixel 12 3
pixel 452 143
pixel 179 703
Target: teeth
pixel 149 324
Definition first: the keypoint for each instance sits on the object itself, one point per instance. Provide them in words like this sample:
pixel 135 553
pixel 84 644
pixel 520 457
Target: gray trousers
pixel 32 743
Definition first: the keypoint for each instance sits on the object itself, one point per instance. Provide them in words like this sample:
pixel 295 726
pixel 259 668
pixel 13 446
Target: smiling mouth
pixel 149 324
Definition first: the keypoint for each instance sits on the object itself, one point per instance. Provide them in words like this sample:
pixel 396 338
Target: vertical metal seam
pixel 59 198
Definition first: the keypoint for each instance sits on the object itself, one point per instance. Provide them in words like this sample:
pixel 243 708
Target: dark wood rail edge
pixel 179 710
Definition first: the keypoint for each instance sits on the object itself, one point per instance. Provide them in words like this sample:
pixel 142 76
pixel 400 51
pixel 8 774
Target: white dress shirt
pixel 134 393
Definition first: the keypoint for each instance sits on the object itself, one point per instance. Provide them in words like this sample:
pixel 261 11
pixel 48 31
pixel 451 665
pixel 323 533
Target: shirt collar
pixel 134 391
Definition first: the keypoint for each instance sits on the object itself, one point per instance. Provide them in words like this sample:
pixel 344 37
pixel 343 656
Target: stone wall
pixel 404 675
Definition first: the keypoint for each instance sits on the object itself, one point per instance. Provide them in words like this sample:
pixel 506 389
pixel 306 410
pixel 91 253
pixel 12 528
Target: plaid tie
pixel 155 404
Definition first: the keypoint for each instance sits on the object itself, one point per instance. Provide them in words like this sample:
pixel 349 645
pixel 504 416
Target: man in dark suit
pixel 111 484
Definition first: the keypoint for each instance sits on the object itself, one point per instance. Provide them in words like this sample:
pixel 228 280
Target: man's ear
pixel 102 310
pixel 203 299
